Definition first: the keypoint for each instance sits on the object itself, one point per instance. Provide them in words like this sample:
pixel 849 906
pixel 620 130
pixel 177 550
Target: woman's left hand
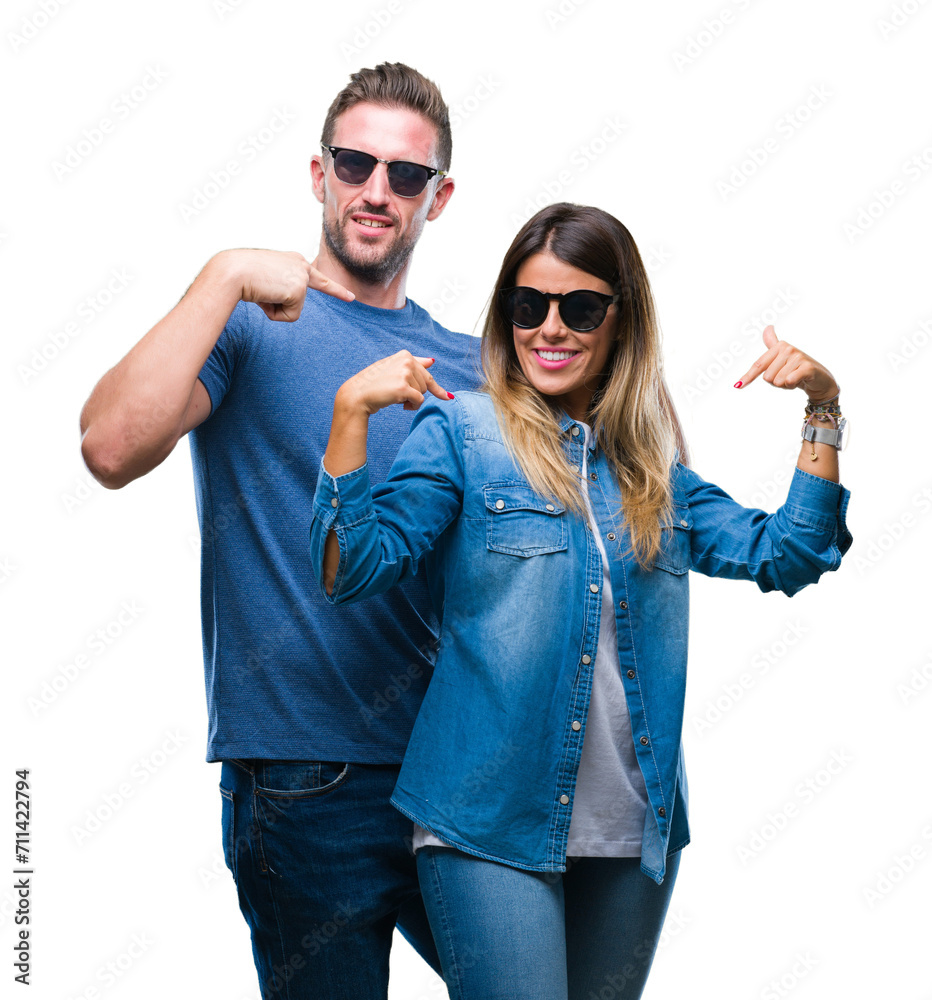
pixel 787 367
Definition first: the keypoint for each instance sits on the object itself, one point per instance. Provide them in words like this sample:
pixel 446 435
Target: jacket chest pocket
pixel 520 522
pixel 674 555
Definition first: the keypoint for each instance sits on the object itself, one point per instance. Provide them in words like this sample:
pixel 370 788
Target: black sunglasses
pixel 406 179
pixel 582 310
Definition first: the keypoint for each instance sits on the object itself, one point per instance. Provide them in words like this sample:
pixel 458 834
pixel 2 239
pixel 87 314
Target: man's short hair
pixel 395 85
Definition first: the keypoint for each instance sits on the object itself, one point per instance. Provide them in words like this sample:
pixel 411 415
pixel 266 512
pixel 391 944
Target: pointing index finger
pixel 432 384
pixel 327 285
pixel 760 365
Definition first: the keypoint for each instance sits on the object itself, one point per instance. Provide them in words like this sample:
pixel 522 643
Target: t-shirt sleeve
pixel 218 370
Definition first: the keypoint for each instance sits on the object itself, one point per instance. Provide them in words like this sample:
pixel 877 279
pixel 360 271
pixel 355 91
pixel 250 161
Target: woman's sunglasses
pixel 406 179
pixel 582 310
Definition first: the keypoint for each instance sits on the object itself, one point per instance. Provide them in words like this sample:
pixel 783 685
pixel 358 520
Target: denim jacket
pixel 516 582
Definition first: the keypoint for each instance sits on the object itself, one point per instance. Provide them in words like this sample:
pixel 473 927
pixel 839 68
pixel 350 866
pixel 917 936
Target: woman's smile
pixel 554 359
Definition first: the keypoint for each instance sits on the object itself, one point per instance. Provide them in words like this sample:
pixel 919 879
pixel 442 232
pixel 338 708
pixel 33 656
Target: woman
pixel 557 518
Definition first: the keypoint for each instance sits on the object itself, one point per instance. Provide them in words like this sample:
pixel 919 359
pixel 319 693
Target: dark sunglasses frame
pixel 392 175
pixel 564 300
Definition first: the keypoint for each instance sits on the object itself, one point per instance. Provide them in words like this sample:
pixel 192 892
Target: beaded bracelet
pixel 826 406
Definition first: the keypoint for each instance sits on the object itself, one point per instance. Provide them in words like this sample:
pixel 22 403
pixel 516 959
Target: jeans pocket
pixel 228 821
pixel 293 779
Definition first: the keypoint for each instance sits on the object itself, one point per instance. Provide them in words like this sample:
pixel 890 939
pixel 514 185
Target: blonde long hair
pixel 632 415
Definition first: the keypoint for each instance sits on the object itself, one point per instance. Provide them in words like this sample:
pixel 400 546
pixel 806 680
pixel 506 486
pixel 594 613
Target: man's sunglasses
pixel 406 179
pixel 582 310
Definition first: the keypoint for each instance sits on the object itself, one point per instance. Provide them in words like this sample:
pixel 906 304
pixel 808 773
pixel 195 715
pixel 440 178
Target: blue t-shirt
pixel 288 676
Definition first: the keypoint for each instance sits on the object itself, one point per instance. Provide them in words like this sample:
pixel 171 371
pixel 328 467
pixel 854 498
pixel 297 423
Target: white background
pixel 649 112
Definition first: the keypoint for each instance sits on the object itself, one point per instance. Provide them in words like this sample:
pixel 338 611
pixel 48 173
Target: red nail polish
pixel 738 385
pixel 450 395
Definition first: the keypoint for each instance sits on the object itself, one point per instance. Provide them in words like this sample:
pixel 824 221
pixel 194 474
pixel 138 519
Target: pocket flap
pixel 505 497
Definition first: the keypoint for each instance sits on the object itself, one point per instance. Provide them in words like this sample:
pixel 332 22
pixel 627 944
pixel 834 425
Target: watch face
pixel 843 431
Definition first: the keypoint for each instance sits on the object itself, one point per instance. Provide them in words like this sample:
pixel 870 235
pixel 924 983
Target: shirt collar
pixel 566 425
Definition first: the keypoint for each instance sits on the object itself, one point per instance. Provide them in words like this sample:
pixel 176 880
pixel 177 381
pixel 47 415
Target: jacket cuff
pixel 344 500
pixel 821 503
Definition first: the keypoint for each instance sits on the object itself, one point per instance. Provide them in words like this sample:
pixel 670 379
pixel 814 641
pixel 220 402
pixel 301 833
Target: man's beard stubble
pixel 376 270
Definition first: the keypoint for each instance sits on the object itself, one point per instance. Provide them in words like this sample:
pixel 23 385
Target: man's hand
pixel 278 280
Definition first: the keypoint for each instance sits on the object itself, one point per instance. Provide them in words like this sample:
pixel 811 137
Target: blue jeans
pixel 508 934
pixel 324 870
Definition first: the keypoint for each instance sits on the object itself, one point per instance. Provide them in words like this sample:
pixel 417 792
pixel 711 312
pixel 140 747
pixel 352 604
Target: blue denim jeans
pixel 505 933
pixel 324 870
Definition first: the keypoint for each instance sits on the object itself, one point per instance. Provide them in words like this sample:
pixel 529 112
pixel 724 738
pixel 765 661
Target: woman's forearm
pixel 346 451
pixel 825 463
pixel 349 432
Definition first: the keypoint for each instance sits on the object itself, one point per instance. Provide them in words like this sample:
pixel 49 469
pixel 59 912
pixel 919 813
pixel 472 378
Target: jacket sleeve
pixel 786 550
pixel 384 531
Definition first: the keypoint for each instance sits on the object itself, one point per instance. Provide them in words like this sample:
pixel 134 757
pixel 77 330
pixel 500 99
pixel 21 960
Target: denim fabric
pixel 492 761
pixel 323 868
pixel 508 934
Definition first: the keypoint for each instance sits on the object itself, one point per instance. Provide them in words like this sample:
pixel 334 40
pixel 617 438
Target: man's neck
pixel 388 294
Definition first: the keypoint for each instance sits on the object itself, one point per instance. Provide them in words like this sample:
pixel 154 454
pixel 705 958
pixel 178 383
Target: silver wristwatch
pixel 826 435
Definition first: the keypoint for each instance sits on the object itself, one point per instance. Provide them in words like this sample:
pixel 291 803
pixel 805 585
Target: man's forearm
pixel 136 413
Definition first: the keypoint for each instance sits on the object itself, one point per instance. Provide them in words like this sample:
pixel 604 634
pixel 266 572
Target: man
pixel 309 707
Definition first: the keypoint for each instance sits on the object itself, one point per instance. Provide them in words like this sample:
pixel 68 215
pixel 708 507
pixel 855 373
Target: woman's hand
pixel 787 367
pixel 402 378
